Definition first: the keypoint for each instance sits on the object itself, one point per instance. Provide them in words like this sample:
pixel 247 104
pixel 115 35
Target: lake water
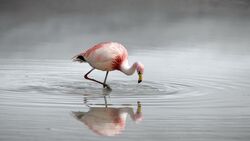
pixel 197 70
pixel 187 94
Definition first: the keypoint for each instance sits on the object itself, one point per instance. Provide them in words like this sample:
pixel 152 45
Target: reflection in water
pixel 108 121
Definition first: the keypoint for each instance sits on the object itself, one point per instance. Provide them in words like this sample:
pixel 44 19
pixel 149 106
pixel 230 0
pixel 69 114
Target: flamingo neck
pixel 128 70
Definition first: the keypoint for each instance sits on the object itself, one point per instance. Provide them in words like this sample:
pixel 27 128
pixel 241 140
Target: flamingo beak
pixel 140 77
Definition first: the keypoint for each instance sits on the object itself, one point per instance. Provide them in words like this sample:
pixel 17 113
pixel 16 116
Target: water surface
pixel 187 94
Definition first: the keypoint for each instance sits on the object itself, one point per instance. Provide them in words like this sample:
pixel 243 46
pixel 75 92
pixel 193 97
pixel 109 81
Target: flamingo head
pixel 140 71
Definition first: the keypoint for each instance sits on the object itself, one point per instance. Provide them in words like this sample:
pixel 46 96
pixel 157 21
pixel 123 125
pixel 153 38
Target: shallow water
pixel 185 95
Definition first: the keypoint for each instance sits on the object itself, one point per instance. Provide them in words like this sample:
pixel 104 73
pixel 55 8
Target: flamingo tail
pixel 79 58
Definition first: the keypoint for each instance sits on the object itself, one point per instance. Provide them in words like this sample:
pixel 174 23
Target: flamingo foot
pixel 107 86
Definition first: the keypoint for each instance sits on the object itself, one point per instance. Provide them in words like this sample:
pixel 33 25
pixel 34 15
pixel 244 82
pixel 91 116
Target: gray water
pixel 184 96
pixel 197 70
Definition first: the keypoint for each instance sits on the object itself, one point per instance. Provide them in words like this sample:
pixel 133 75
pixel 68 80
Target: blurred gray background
pixel 197 68
pixel 58 29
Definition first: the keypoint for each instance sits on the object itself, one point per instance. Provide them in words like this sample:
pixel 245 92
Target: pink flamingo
pixel 109 56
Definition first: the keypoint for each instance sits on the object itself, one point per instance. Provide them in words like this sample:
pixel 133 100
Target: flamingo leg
pixel 86 77
pixel 105 79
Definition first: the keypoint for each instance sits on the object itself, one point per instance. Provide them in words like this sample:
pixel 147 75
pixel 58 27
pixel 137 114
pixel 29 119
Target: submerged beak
pixel 140 77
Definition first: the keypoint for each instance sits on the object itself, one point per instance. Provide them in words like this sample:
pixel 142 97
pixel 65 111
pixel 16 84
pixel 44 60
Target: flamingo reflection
pixel 108 121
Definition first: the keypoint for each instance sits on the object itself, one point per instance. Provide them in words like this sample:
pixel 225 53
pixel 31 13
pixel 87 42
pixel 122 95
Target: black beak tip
pixel 139 81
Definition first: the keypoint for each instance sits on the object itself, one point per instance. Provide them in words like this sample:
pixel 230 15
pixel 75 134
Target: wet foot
pixel 107 87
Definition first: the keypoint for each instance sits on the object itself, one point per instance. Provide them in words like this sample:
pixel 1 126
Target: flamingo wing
pixel 106 56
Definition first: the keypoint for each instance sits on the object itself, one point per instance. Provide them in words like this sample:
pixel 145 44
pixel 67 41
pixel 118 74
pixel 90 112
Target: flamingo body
pixel 109 56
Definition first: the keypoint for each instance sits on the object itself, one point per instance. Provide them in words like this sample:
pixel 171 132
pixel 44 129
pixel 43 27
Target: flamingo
pixel 108 56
